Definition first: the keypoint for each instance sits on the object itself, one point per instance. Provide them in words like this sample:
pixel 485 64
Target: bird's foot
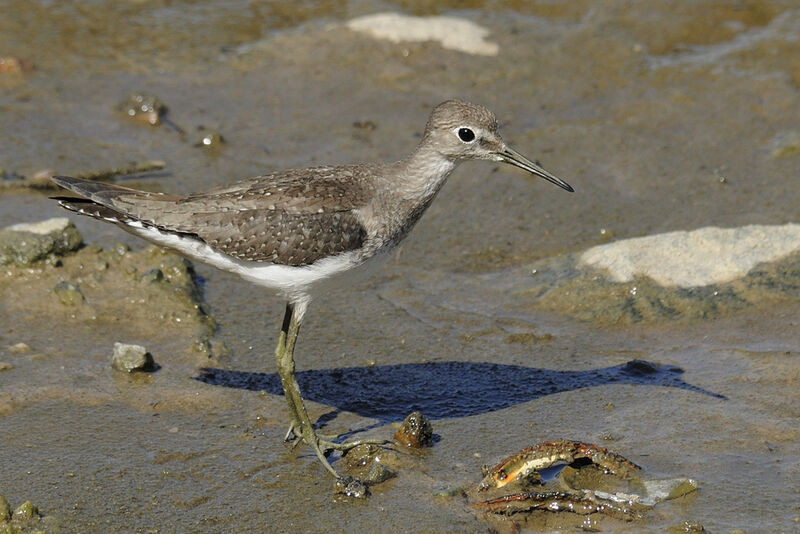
pixel 322 444
pixel 330 445
pixel 327 442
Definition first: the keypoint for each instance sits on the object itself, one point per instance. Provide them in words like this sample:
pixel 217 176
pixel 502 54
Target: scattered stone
pixel 448 492
pixel 451 32
pixel 15 65
pixel 378 473
pixel 213 348
pixel 26 243
pixel 361 455
pixel 69 294
pixel 415 431
pixel 365 125
pixel 120 249
pixel 686 526
pixel 26 510
pixel 668 489
pixel 130 358
pixel 5 509
pixel 210 139
pixel 143 108
pixel 5 366
pixel 19 348
pixel 350 487
pixel 153 276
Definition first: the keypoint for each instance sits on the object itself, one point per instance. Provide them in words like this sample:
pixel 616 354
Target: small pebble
pixel 5 366
pixel 19 348
pixel 416 431
pixel 378 473
pixel 131 358
pixel 210 140
pixel 26 510
pixel 350 487
pixel 152 276
pixel 120 249
pixel 449 492
pixel 69 294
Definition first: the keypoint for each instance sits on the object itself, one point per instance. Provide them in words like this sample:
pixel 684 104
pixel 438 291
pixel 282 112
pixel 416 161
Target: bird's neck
pixel 405 190
pixel 422 174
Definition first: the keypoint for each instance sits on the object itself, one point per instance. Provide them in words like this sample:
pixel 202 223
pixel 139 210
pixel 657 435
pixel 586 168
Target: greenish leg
pixel 300 424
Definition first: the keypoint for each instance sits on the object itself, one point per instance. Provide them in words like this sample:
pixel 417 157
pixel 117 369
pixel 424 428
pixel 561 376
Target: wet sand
pixel 662 118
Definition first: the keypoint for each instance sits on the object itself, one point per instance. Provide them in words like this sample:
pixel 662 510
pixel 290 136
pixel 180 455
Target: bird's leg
pixel 300 424
pixel 286 343
pixel 288 379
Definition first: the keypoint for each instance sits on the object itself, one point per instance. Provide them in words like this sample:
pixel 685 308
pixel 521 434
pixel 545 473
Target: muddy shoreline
pixel 664 119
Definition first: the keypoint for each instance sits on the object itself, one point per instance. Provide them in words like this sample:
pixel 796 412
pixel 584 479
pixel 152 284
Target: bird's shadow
pixel 445 389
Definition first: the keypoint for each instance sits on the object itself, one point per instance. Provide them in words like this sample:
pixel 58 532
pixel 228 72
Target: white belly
pixel 292 283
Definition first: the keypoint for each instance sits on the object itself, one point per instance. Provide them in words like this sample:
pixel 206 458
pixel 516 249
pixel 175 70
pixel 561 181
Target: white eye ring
pixel 465 135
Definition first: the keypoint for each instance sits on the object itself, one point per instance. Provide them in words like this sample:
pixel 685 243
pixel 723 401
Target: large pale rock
pixel 697 258
pixel 452 33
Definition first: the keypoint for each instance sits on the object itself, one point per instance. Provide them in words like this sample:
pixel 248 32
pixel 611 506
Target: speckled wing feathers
pixel 274 236
pixel 301 191
pixel 292 218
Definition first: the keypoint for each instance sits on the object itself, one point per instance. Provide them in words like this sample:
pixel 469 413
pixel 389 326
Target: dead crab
pixel 582 503
pixel 568 494
pixel 525 464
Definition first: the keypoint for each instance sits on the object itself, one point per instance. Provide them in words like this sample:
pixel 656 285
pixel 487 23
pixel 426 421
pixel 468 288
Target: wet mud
pixel 663 117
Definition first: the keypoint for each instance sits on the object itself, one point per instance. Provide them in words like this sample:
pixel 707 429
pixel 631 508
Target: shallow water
pixel 662 118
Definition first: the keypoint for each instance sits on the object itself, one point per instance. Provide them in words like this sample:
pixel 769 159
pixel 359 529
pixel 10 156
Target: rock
pixel 5 366
pixel 19 348
pixel 27 243
pixel 361 455
pixel 5 509
pixel 415 431
pixel 68 294
pixel 378 473
pixel 211 140
pixel 143 108
pixel 667 489
pixel 702 274
pixel 26 510
pixel 130 358
pixel 686 526
pixel 153 276
pixel 213 348
pixel 350 487
pixel 451 32
pixel 448 492
pixel 693 259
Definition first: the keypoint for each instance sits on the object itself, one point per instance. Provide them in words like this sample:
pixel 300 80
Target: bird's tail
pixel 99 192
pixel 97 201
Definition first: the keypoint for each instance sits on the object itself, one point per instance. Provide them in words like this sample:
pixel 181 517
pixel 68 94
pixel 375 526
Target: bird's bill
pixel 509 155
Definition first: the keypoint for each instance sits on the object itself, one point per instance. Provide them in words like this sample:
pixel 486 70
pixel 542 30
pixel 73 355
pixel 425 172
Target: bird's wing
pixel 291 218
pixel 298 191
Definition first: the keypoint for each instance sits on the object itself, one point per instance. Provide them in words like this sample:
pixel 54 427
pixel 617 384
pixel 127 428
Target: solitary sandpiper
pixel 295 231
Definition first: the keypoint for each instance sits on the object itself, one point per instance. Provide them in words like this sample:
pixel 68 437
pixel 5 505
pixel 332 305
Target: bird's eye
pixel 466 135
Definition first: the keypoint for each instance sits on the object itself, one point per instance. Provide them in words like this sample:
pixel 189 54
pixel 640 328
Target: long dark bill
pixel 509 155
